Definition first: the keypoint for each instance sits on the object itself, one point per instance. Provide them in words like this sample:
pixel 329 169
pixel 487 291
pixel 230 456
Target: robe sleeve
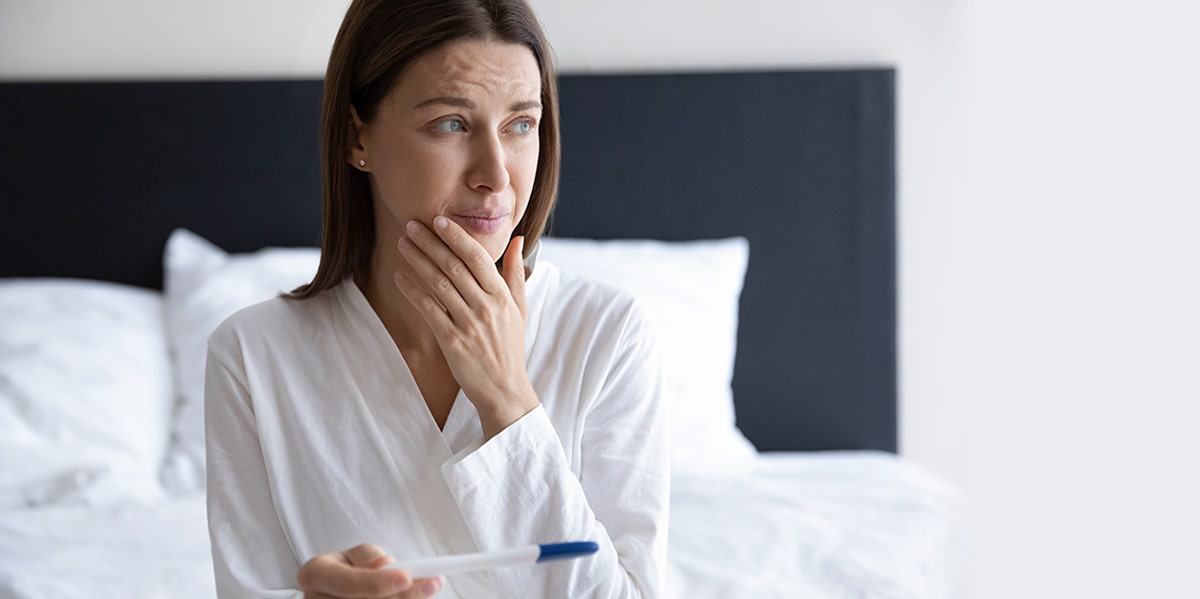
pixel 518 487
pixel 251 555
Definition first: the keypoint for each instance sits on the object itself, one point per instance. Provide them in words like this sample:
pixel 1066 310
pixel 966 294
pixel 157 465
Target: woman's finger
pixel 333 575
pixel 471 253
pixel 451 285
pixel 420 589
pixel 513 266
pixel 425 587
pixel 367 555
pixel 434 311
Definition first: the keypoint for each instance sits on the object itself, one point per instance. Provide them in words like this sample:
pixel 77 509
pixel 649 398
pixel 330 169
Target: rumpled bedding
pixel 814 525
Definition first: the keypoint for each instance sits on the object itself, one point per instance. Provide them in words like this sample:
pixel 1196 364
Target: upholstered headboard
pixel 95 175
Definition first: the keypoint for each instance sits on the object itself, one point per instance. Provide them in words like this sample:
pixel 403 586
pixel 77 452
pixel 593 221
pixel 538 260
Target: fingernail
pixel 441 222
pixel 414 226
pixel 405 243
pixel 431 587
pixel 400 584
pixel 399 276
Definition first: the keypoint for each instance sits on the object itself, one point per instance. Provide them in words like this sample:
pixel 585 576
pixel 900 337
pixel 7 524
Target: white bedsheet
pixel 132 551
pixel 826 525
pixel 843 525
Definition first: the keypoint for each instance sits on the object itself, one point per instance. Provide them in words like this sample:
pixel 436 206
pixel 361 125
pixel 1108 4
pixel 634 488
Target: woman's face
pixel 456 136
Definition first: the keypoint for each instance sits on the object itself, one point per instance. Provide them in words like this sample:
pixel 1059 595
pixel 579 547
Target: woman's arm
pixel 251 555
pixel 518 487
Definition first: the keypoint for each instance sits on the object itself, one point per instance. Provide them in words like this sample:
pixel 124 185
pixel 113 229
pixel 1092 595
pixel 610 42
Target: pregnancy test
pixel 516 556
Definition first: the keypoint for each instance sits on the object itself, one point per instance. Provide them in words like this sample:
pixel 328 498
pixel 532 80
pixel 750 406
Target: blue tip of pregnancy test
pixel 557 551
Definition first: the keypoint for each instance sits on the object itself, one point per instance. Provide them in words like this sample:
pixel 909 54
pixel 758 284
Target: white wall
pixel 1071 318
pixel 1050 337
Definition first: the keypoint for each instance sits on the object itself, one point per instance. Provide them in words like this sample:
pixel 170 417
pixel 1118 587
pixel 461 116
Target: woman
pixel 435 390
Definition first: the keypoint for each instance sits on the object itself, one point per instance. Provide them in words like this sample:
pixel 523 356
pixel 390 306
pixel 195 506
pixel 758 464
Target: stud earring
pixel 362 163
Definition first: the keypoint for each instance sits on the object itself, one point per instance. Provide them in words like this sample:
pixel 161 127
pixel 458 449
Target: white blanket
pixel 824 525
pixel 814 525
pixel 131 551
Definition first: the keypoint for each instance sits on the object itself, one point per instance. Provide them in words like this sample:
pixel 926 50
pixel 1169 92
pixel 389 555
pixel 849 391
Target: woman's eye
pixel 449 126
pixel 522 126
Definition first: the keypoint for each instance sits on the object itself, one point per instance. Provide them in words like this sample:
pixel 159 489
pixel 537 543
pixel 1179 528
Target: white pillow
pixel 85 393
pixel 691 289
pixel 203 286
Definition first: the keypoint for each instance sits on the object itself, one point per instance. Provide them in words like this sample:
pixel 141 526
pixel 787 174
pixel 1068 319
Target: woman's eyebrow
pixel 452 101
pixel 470 105
pixel 519 106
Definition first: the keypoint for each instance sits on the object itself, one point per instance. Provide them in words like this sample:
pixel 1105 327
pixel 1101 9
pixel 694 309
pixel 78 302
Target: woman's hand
pixel 477 315
pixel 359 573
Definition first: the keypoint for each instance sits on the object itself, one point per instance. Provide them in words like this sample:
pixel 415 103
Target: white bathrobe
pixel 319 440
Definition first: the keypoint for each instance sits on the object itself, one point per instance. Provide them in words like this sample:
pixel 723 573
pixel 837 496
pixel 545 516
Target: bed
pixel 754 214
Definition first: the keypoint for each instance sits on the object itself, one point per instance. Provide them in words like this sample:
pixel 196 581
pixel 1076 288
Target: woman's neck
pixel 408 328
pixel 401 319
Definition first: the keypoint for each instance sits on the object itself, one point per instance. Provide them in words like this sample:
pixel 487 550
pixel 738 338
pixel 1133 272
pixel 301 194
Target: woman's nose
pixel 488 170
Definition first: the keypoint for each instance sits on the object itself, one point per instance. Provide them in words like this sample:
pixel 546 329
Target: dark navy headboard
pixel 95 175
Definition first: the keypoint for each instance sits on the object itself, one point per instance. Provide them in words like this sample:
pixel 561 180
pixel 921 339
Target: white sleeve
pixel 518 488
pixel 251 555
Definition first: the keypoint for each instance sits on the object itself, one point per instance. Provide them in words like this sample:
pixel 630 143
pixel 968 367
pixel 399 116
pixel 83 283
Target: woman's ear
pixel 356 152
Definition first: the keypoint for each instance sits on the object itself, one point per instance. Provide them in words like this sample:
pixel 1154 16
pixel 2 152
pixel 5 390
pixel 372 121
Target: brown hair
pixel 377 40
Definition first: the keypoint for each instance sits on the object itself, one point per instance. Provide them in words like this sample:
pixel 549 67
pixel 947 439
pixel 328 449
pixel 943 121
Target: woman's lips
pixel 481 223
